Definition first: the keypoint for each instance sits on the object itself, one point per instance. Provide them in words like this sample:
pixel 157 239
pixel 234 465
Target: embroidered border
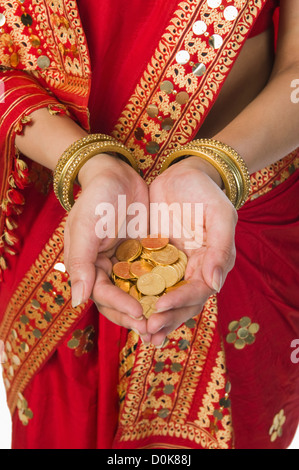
pixel 37 318
pixel 272 176
pixel 46 38
pixel 134 128
pixel 163 384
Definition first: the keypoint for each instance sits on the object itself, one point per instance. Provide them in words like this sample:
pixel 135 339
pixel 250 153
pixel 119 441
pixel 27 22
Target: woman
pixel 209 68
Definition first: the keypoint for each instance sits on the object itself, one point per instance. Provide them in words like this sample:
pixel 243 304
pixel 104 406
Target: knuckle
pixel 228 254
pixel 75 264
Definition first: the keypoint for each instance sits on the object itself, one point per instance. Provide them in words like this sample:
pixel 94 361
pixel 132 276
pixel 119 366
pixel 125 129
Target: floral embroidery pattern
pixel 276 429
pixel 242 332
pixel 82 341
pixel 24 413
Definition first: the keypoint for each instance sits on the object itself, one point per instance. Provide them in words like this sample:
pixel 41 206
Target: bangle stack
pixel 230 166
pixel 75 156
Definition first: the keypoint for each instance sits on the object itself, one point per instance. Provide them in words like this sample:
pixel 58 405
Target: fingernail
pixel 163 309
pixel 135 331
pixel 143 339
pixel 77 294
pixel 217 279
pixel 162 344
pixel 136 318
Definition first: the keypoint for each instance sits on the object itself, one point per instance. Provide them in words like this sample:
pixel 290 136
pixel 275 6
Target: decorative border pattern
pixel 37 318
pixel 46 39
pixel 272 176
pixel 164 384
pixel 145 136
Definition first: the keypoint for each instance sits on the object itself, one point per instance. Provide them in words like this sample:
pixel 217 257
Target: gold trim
pixel 201 96
pixel 35 320
pixel 150 410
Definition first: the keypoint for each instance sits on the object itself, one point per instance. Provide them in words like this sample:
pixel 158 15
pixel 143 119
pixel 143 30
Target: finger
pixel 194 292
pixel 106 294
pixel 160 325
pixel 80 257
pixel 220 253
pixel 122 319
pixel 104 263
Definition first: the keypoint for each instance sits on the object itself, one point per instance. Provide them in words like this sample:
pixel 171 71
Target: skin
pixel 253 113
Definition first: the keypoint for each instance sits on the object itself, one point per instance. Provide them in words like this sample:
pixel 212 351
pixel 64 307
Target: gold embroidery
pixel 242 332
pixel 38 316
pixel 82 341
pixel 52 46
pixel 276 429
pixel 24 413
pixel 272 176
pixel 178 35
pixel 163 384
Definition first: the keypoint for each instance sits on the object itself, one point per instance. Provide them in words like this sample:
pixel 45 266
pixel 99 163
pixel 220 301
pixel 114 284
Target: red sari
pixel 73 379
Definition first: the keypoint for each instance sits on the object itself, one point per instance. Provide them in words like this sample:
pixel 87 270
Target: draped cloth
pixel 74 380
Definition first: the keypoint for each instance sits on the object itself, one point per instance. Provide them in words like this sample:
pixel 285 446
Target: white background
pixel 5 424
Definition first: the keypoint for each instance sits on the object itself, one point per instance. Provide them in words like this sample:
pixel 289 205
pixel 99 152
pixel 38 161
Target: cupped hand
pixel 212 252
pixel 88 254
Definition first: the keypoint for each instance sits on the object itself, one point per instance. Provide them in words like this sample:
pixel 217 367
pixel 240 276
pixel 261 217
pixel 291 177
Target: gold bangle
pixel 236 163
pixel 73 160
pixel 73 150
pixel 211 157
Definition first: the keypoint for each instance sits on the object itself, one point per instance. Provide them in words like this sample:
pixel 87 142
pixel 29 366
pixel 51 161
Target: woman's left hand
pixel 194 181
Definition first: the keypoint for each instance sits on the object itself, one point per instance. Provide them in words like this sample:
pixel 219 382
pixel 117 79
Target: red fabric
pixel 267 259
pixel 22 95
pixel 265 19
pixel 129 45
pixel 75 401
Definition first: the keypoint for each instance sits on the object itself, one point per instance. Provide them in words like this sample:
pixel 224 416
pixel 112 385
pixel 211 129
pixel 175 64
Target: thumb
pixel 220 254
pixel 81 253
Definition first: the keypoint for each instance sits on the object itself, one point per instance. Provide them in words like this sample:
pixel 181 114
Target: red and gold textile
pixel 73 379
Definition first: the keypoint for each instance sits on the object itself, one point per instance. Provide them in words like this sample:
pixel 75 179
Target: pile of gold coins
pixel 148 268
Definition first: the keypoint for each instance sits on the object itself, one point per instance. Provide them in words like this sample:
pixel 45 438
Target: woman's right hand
pixel 87 257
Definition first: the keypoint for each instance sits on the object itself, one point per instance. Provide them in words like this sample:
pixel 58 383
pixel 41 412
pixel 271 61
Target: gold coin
pixel 176 286
pixel 138 268
pixel 169 273
pixel 122 270
pixel 151 284
pixel 165 256
pixel 148 303
pixel 128 250
pixel 180 269
pixel 123 285
pixel 154 242
pixel 134 292
pixel 183 257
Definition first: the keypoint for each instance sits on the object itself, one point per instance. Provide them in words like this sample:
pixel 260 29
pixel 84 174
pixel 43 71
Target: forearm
pixel 48 137
pixel 267 129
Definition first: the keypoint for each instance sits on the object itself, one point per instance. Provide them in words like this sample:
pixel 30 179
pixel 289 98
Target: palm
pixel 88 253
pixel 184 185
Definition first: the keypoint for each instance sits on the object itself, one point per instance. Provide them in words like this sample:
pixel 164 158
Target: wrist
pixel 95 166
pixel 207 168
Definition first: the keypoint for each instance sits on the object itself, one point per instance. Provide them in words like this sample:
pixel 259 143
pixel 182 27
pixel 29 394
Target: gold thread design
pixel 37 318
pixel 157 71
pixel 159 395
